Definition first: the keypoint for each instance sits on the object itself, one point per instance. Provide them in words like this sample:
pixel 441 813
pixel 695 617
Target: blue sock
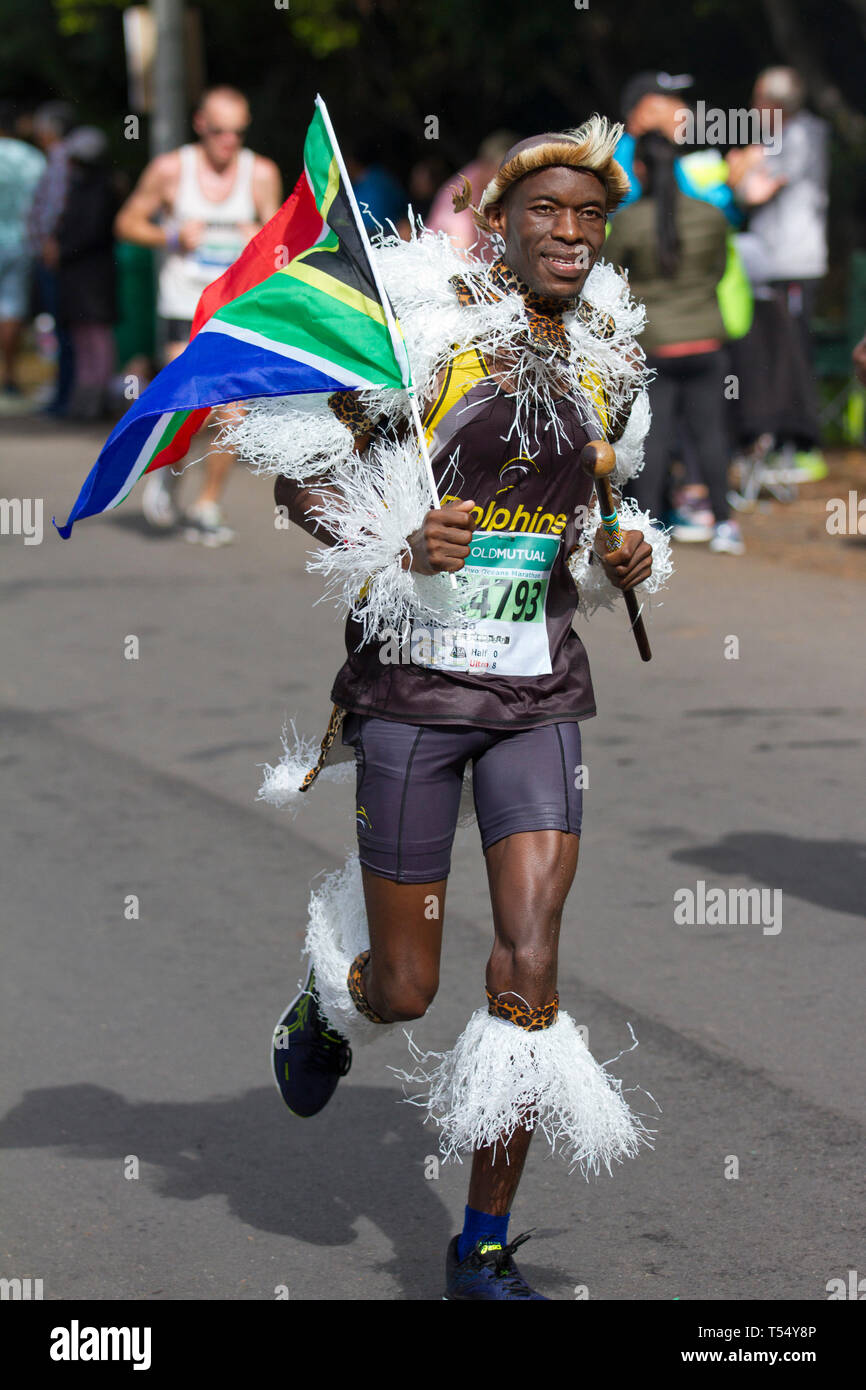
pixel 478 1225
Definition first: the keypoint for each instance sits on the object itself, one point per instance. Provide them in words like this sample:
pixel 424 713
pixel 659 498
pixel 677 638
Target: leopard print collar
pixel 546 333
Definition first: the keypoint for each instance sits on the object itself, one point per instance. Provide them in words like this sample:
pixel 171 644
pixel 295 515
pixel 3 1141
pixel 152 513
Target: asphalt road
pixel 148 1039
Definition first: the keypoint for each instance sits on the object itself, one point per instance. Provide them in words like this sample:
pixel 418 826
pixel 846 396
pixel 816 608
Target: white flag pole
pixel 397 339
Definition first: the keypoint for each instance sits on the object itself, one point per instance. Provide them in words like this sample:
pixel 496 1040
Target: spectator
pixel 460 226
pixel 786 195
pixel 51 124
pixel 20 170
pixel 675 249
pixel 380 196
pixel 211 197
pixel 86 289
pixel 425 179
pixel 650 103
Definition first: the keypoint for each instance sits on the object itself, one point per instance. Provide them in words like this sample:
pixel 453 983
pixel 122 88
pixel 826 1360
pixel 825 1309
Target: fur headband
pixel 591 147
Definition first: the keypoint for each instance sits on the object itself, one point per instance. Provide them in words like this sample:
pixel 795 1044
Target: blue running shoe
pixel 308 1056
pixel 488 1272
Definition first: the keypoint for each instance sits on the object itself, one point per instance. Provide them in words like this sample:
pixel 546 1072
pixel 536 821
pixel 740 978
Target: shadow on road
pixel 829 873
pixel 311 1180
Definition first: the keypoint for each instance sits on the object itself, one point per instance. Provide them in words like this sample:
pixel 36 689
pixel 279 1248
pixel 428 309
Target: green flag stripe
pixel 321 165
pixel 331 284
pixel 325 303
pixel 332 201
pixel 171 429
pixel 288 311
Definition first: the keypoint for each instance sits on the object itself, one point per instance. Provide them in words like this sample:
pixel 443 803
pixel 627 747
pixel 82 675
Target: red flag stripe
pixel 291 230
pixel 177 447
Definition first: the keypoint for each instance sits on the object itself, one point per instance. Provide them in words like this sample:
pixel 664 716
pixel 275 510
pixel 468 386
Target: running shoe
pixel 810 466
pixel 727 539
pixel 685 527
pixel 488 1272
pixel 205 523
pixel 308 1056
pixel 695 507
pixel 157 503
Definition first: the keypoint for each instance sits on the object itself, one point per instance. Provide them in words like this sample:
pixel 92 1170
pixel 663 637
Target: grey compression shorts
pixel 409 779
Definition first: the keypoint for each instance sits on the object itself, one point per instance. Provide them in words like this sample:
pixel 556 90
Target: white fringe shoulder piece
pixel 297 436
pixel 601 330
pixel 301 437
pixel 378 500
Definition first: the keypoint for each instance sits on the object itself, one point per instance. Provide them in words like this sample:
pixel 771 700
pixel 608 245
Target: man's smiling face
pixel 553 225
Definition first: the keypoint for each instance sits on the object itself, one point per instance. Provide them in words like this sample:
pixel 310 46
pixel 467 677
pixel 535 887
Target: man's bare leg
pixel 217 467
pixel 402 975
pixel 530 875
pixel 218 463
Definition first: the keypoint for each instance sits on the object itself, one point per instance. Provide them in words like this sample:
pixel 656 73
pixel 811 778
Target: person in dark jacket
pixel 86 270
pixel 674 248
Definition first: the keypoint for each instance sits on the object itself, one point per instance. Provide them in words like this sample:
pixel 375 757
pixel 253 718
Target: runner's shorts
pixel 409 779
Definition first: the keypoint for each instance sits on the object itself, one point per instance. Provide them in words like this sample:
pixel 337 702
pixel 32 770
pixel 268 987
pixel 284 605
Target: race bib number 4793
pixel 507 574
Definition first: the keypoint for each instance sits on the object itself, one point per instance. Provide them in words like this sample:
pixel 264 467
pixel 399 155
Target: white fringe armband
pixel 629 448
pixel 374 504
pixel 594 588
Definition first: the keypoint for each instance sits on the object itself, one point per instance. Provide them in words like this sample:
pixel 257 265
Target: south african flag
pixel 302 309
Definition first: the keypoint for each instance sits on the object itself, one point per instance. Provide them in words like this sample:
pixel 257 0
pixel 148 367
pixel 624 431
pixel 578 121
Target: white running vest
pixel 185 274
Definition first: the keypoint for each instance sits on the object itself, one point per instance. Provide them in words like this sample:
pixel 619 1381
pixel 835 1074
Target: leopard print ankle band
pixel 356 989
pixel 513 1010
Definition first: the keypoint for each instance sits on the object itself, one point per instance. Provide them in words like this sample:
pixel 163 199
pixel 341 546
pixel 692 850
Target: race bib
pixel 507 574
pixel 220 246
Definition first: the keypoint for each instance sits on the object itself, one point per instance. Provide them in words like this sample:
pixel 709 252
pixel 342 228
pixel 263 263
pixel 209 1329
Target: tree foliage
pixel 385 66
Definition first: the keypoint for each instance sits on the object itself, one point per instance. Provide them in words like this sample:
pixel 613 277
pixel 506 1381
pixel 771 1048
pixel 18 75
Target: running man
pixel 211 198
pixel 534 372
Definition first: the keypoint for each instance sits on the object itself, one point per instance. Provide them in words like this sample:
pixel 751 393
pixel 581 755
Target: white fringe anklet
pixel 499 1077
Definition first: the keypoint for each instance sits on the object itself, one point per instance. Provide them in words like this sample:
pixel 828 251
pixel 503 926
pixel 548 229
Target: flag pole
pixel 397 339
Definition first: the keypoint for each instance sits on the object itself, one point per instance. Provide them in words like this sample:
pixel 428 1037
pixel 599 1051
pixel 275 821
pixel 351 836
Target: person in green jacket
pixel 674 248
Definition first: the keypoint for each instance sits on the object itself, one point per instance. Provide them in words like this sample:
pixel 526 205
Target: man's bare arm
pixel 134 222
pixel 300 500
pixel 441 543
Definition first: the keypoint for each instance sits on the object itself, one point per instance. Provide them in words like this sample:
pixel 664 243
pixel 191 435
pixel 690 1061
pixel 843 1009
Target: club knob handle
pixel 597 458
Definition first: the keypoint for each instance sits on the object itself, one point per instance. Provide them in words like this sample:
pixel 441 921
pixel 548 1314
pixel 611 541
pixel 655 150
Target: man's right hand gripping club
pixel 442 541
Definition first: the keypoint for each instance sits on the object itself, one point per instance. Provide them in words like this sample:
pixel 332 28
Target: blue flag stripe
pixel 214 369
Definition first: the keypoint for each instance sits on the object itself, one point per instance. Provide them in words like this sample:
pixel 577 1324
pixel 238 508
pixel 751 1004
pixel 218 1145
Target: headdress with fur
pixel 590 146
